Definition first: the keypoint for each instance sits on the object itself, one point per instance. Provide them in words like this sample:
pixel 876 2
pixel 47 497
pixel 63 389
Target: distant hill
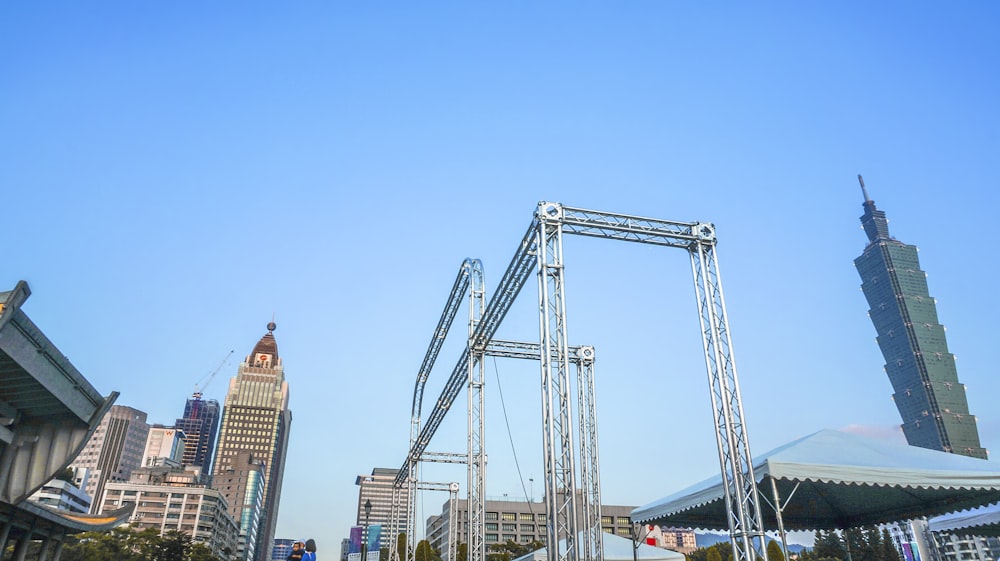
pixel 706 540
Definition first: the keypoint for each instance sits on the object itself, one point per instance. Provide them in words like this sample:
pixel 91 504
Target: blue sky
pixel 173 174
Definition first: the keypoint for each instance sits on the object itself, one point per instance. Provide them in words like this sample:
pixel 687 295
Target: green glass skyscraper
pixel 928 395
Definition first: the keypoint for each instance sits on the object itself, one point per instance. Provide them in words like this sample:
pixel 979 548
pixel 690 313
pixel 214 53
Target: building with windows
pixel 522 522
pixel 170 498
pixel 63 495
pixel 281 548
pixel 242 484
pixel 927 393
pixel 256 419
pixel 200 424
pixel 164 447
pixel 931 401
pixel 377 488
pixel 114 450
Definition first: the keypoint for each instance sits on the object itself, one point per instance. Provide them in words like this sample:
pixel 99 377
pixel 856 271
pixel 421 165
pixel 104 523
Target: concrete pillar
pixel 5 534
pixel 57 550
pixel 43 553
pixel 21 549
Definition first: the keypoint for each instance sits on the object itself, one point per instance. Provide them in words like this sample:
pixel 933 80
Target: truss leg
pixel 411 512
pixel 742 501
pixel 452 523
pixel 394 528
pixel 590 473
pixel 477 458
pixel 560 490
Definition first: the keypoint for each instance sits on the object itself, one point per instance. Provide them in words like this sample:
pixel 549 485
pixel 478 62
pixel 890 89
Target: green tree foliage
pixel 425 552
pixel 828 546
pixel 774 551
pixel 866 543
pixel 401 545
pixel 462 552
pixel 127 544
pixel 713 554
pixel 510 550
pixel 889 552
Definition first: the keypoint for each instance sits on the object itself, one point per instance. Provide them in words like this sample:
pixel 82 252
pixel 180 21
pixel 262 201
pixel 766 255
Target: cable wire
pixel 510 436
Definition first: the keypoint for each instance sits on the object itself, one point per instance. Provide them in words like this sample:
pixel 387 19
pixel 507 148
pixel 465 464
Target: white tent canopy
pixel 617 548
pixel 982 521
pixel 832 479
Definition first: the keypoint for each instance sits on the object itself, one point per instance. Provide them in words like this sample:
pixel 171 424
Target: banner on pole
pixel 374 537
pixel 355 544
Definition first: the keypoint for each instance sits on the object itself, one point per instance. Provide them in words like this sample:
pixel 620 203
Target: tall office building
pixel 200 424
pixel 256 419
pixel 377 488
pixel 928 395
pixel 113 451
pixel 242 485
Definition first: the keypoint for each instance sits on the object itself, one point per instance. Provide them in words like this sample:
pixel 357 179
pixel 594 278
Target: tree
pixel 425 552
pixel 713 554
pixel 889 551
pixel 774 551
pixel 828 546
pixel 401 545
pixel 462 552
pixel 173 546
pixel 200 552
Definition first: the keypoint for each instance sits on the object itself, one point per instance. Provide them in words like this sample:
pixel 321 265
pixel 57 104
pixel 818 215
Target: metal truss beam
pixel 445 458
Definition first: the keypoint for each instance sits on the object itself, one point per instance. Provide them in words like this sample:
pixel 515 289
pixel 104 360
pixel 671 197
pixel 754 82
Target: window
pixel 491 537
pixel 509 527
pixel 509 516
pixel 624 521
pixel 491 516
pixel 526 516
pixel 607 520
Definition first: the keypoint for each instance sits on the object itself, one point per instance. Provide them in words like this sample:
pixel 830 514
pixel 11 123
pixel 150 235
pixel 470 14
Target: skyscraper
pixel 928 395
pixel 256 419
pixel 114 450
pixel 200 424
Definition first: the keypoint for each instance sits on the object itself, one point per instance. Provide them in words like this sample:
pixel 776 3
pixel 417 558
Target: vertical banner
pixel 374 537
pixel 907 554
pixel 354 547
pixel 374 542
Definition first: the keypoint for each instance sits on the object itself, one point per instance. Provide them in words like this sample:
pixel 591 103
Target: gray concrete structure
pixel 48 411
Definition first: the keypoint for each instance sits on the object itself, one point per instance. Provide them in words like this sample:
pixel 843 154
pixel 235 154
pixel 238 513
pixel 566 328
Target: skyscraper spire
pixel 874 221
pixel 864 191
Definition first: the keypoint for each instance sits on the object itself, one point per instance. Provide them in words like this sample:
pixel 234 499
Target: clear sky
pixel 172 174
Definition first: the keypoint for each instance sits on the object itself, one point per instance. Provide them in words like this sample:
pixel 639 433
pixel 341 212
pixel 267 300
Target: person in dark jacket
pixel 298 550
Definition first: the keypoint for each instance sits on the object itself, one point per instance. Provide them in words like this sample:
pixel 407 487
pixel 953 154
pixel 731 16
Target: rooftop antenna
pixel 864 191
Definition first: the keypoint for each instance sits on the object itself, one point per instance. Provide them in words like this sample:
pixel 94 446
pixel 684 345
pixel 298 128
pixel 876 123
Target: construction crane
pixel 207 379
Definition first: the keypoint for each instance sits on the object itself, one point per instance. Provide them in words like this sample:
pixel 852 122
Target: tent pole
pixel 777 514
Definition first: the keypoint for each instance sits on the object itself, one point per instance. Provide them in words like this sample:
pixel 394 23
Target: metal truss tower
pixel 542 246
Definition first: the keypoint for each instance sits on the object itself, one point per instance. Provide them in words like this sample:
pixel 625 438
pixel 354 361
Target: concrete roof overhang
pixel 48 410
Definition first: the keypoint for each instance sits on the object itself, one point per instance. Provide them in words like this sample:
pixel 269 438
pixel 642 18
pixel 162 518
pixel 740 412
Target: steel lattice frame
pixel 477 457
pixel 590 470
pixel 542 246
pixel 557 439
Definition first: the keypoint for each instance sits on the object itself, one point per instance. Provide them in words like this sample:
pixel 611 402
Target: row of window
pixel 511 516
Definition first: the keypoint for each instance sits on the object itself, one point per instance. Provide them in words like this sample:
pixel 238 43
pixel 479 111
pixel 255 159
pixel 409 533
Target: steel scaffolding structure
pixel 542 245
